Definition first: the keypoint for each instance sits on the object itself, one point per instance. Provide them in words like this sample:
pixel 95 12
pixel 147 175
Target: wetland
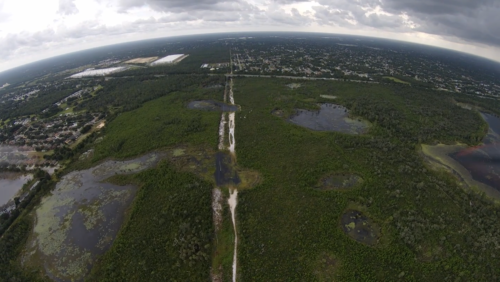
pixel 212 106
pixel 81 218
pixel 330 117
pixel 477 166
pixel 10 184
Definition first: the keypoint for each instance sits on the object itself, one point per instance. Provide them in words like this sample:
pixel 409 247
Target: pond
pixel 359 227
pixel 474 166
pixel 80 219
pixel 330 117
pixel 10 184
pixel 213 106
pixel 483 162
pixel 225 173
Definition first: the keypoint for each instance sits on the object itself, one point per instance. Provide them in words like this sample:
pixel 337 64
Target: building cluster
pixel 47 134
pixel 356 62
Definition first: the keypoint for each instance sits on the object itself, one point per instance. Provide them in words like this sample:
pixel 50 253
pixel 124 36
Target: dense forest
pixel 430 228
pixel 121 95
pixel 169 235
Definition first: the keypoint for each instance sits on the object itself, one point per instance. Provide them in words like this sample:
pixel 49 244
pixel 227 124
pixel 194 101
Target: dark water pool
pixel 359 227
pixel 330 117
pixel 225 173
pixel 213 106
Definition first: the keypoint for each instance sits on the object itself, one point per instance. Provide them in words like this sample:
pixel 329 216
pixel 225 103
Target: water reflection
pixel 10 184
pixel 330 117
pixel 81 218
pixel 209 105
pixel 483 162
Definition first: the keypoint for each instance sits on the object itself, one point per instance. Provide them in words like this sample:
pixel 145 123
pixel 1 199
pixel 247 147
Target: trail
pixel 233 192
pixel 222 129
pixel 233 199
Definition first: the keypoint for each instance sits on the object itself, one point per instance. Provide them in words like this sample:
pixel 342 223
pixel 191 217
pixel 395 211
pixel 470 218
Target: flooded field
pixel 359 227
pixel 330 117
pixel 209 105
pixel 474 166
pixel 225 173
pixel 10 184
pixel 80 219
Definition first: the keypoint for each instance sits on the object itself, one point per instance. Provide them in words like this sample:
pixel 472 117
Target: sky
pixel 31 30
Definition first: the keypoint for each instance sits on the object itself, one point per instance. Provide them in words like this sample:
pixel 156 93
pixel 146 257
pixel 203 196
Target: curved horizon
pixel 187 36
pixel 56 27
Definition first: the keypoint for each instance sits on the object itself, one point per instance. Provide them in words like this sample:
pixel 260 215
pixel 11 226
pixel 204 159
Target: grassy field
pixel 396 80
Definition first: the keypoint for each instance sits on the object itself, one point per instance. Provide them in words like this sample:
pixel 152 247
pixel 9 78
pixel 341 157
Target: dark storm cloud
pixel 67 7
pixel 353 14
pixel 469 20
pixel 432 7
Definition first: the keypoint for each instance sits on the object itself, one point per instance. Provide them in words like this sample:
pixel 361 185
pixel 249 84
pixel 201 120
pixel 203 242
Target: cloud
pixel 68 22
pixel 466 20
pixel 185 5
pixel 67 7
pixel 433 7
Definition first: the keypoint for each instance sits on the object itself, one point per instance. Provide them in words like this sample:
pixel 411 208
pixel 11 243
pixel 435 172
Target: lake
pixel 483 162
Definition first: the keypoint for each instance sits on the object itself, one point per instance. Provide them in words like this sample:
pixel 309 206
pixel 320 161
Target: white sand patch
pixel 222 129
pixel 169 59
pixel 232 142
pixel 99 72
pixel 217 208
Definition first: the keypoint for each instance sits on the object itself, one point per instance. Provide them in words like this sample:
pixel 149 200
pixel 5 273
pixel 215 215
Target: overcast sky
pixel 31 30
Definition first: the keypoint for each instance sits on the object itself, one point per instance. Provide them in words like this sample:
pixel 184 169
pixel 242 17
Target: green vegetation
pixel 426 226
pixel 396 80
pixel 169 234
pixel 285 225
pixel 130 93
pixel 42 101
pixel 14 233
pixel 160 123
